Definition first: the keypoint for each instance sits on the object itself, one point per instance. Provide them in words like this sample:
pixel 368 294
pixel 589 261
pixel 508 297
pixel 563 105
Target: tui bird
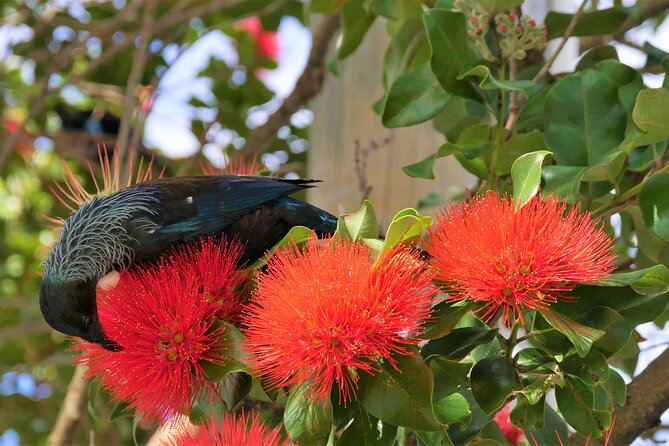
pixel 139 223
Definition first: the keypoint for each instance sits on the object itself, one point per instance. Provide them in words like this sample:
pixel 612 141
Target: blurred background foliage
pixel 77 74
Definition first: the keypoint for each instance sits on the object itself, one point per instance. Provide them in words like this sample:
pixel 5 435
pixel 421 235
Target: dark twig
pixel 308 85
pixel 361 158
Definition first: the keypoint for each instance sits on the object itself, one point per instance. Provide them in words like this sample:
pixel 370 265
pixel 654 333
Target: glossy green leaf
pixel 413 98
pixel 489 82
pixel 628 80
pixel 595 23
pixel 453 408
pixel 517 145
pixel 493 379
pixel 452 50
pixel 648 281
pixel 617 329
pixel 650 118
pixel 234 358
pixel 360 224
pixel 367 430
pixel 307 422
pixel 584 120
pixel 407 49
pixel 401 396
pixel 654 204
pixel 576 402
pixel 564 181
pixel 595 55
pixel 591 369
pixel 439 438
pixel 581 337
pixel 461 435
pixel 355 23
pixel 616 388
pixel 406 227
pixel 449 376
pixel 553 431
pixel 459 342
pixel 296 235
pixel 445 316
pixel 526 176
pixel 526 415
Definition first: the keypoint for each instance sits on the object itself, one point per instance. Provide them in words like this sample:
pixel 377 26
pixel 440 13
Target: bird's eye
pixel 87 320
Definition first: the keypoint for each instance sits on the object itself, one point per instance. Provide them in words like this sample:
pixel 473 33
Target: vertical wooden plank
pixel 343 115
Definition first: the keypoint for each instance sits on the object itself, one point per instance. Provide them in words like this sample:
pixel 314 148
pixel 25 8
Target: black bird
pixel 139 223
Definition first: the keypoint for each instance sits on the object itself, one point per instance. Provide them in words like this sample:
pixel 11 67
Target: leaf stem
pixel 533 334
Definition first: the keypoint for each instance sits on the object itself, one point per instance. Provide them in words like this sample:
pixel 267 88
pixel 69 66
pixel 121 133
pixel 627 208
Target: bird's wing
pixel 195 206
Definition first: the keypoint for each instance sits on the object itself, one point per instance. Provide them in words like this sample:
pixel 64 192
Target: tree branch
pixel 308 85
pixel 71 412
pixel 648 10
pixel 136 72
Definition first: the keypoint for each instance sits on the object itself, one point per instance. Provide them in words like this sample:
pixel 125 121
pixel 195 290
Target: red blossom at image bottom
pixel 323 315
pixel 231 431
pixel 164 317
pixel 488 251
pixel 513 434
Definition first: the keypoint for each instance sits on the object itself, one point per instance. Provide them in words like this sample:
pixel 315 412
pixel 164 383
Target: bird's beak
pixel 97 335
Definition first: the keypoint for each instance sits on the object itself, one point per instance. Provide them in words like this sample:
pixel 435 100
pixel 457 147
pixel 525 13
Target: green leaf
pixel 595 23
pixel 413 98
pixel 526 176
pixel 360 224
pixel 616 388
pixel 650 118
pixel 489 82
pixel 406 227
pixel 408 48
pixel 453 408
pixel 439 438
pixel 595 55
pixel 449 376
pixel 307 422
pixel 493 379
pixel 120 410
pixel 591 369
pixel 576 402
pixel 648 281
pixel 355 23
pixel 234 357
pixel 460 435
pixel 654 204
pixel 553 431
pixel 581 337
pixel 584 120
pixel 367 430
pixel 565 181
pixel 452 51
pixel 459 342
pixel 445 316
pixel 526 415
pixel 628 81
pixel 518 144
pixel 235 387
pixel 296 235
pixel 401 396
pixel 607 169
pixel 617 329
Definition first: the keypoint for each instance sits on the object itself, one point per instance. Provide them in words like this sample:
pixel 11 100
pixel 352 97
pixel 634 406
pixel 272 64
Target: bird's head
pixel 69 306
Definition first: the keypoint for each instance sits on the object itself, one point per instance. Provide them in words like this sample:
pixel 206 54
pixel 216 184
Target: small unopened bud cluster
pixel 519 34
pixel 477 28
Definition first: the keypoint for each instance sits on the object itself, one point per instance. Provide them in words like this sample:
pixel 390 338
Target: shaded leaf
pixel 493 379
pixel 581 337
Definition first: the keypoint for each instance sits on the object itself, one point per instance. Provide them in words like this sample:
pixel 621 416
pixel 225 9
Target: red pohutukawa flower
pixel 164 317
pixel 231 431
pixel 322 315
pixel 513 434
pixel 508 258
